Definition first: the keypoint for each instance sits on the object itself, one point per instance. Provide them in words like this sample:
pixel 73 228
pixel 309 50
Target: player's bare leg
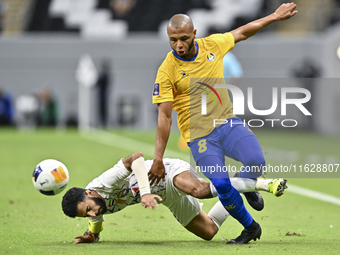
pixel 203 226
pixel 197 187
pixel 206 226
pixel 192 185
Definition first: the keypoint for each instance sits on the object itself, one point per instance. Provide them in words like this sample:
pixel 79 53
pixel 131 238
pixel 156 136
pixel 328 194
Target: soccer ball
pixel 50 177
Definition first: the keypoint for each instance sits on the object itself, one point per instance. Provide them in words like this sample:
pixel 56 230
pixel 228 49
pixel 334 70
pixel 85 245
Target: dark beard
pixel 102 205
pixel 191 45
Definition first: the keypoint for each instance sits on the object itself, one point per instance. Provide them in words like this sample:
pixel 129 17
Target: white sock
pixel 218 214
pixel 262 184
pixel 213 190
pixel 240 184
pixel 243 184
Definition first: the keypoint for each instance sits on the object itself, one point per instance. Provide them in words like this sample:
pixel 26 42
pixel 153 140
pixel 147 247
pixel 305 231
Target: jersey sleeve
pixel 106 181
pixel 115 175
pixel 224 41
pixel 163 87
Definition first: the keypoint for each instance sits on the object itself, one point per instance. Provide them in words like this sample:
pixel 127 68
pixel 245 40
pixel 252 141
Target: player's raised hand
pixel 157 172
pixel 88 237
pixel 149 201
pixel 286 11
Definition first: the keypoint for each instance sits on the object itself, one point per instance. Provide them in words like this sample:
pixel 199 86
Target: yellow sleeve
pixel 95 227
pixel 224 41
pixel 163 87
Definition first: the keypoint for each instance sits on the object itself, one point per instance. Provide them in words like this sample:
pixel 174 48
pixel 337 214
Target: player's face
pixel 182 41
pixel 93 205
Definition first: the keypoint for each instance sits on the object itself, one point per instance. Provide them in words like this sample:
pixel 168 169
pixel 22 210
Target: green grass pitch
pixel 32 223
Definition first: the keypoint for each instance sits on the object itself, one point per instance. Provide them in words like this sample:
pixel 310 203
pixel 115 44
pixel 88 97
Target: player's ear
pixel 194 33
pixel 88 192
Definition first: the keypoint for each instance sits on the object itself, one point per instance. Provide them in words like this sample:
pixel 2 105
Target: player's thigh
pixel 207 146
pixel 202 226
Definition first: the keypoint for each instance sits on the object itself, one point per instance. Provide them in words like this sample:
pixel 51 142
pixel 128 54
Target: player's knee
pixel 201 190
pixel 222 185
pixel 255 163
pixel 210 233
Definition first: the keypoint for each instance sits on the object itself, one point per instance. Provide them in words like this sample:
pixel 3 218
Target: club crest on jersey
pixel 184 74
pixel 211 57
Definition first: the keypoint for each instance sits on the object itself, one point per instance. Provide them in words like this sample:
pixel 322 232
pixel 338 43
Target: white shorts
pixel 184 207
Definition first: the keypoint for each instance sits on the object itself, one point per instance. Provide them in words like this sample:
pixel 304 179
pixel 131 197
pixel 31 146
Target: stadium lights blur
pixel 338 52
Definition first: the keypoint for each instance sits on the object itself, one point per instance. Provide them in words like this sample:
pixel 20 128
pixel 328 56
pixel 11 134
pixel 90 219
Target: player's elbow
pixel 137 155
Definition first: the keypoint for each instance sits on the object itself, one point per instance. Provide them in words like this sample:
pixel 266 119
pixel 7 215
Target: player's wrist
pixel 274 16
pixel 158 159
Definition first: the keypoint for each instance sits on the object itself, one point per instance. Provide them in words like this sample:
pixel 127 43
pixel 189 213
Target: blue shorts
pixel 221 141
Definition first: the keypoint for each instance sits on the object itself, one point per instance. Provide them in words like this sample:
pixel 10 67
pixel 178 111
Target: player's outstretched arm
pixel 284 12
pixel 157 171
pixel 88 237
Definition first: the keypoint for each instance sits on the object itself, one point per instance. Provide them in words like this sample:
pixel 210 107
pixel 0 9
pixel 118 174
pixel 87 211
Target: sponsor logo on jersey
pixel 156 89
pixel 211 57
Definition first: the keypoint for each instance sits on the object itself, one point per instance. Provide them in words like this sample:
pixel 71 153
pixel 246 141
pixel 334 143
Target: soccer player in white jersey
pixel 118 187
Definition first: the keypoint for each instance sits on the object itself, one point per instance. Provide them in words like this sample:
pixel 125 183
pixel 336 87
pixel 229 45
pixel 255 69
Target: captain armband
pixel 95 227
pixel 139 168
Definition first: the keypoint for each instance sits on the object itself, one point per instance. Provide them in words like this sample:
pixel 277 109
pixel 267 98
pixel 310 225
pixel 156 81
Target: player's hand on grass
pixel 286 11
pixel 157 172
pixel 149 201
pixel 88 237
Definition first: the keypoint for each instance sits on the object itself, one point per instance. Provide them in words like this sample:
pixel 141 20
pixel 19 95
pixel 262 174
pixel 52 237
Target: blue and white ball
pixel 50 177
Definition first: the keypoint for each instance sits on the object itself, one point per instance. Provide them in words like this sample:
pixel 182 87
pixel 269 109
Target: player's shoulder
pixel 218 38
pixel 168 60
pixel 168 65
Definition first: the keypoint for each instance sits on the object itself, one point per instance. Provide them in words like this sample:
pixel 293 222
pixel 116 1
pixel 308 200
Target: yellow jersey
pixel 185 82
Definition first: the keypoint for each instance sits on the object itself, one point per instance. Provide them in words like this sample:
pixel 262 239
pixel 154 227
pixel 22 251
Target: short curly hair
pixel 71 199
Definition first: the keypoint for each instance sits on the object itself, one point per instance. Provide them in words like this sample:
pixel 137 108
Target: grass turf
pixel 32 223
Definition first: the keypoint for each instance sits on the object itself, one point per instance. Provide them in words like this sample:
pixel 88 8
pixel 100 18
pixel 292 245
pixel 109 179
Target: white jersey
pixel 119 187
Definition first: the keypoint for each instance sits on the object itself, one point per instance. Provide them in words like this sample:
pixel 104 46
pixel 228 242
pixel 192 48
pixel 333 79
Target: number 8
pixel 202 145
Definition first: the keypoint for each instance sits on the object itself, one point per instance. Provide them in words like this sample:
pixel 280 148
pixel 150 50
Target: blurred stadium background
pixel 42 42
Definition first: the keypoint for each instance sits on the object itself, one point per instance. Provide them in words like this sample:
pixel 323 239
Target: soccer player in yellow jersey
pixel 187 75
